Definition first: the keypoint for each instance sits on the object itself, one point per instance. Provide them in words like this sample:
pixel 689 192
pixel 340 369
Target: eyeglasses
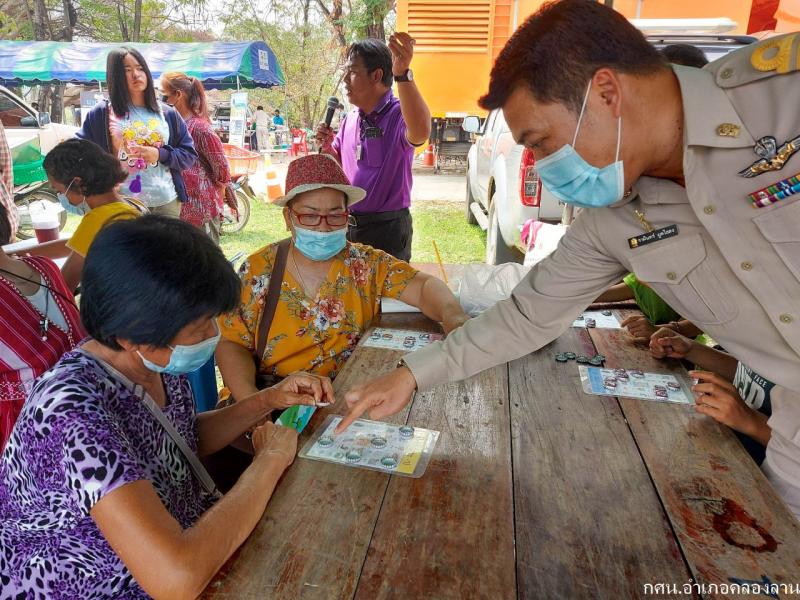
pixel 313 220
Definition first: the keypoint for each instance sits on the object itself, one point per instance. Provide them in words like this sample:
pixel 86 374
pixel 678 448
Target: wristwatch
pixel 404 77
pixel 402 363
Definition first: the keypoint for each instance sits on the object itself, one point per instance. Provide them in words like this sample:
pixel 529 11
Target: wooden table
pixel 536 490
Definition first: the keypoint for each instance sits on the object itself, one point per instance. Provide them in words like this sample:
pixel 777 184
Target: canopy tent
pixel 220 65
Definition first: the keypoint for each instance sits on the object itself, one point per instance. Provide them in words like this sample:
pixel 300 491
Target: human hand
pixel 639 327
pixel 301 388
pixel 324 135
pixel 667 343
pixel 148 153
pixel 717 398
pixel 383 396
pixel 402 46
pixel 275 442
pixel 454 321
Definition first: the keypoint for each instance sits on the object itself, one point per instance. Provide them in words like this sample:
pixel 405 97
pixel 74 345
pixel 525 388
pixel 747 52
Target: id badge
pixel 358 151
pixel 653 236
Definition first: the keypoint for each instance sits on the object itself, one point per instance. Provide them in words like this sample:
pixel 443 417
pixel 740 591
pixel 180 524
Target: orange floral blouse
pixel 315 334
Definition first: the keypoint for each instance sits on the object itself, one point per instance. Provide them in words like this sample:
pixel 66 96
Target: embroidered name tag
pixel 653 236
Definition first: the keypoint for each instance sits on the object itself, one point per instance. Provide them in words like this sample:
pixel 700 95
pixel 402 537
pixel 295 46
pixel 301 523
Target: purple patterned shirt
pixel 384 168
pixel 83 433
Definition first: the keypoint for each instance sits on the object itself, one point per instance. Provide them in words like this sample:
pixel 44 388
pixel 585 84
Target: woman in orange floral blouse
pixel 331 288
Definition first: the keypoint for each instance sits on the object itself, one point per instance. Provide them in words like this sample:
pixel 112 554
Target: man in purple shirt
pixel 376 140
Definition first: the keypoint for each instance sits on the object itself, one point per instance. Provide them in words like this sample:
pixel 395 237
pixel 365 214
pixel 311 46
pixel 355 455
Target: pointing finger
pixel 355 412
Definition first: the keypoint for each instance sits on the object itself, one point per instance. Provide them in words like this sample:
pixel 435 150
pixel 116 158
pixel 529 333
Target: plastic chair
pixel 299 142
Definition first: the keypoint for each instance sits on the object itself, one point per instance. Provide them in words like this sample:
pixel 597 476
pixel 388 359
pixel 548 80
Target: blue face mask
pixel 185 359
pixel 80 210
pixel 320 245
pixel 574 181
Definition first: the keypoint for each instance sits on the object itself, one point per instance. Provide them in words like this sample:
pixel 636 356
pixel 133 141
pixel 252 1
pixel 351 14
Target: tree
pixel 368 18
pixel 309 58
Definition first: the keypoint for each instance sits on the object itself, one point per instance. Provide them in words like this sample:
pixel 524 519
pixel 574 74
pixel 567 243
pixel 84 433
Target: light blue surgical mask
pixel 185 359
pixel 80 210
pixel 320 245
pixel 572 180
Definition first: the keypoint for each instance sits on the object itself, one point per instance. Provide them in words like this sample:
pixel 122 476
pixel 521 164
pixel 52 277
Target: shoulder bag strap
pixel 194 463
pixel 273 295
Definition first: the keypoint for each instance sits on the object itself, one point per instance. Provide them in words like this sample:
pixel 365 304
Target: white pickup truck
pixel 30 135
pixel 503 190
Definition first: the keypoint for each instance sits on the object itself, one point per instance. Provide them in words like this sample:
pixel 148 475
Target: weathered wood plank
pixel 730 523
pixel 450 534
pixel 588 520
pixel 314 535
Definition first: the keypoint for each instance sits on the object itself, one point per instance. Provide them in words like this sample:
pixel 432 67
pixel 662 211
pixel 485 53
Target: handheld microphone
pixel 333 105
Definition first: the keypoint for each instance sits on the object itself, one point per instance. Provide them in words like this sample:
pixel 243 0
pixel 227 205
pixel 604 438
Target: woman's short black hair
pixel 557 51
pixel 145 279
pixel 5 226
pixel 99 171
pixel 118 91
pixel 376 55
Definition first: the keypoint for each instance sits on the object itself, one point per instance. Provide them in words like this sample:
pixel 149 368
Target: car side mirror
pixel 44 118
pixel 471 124
pixel 28 121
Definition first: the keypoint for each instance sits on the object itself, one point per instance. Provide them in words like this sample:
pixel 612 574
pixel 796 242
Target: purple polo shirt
pixel 384 169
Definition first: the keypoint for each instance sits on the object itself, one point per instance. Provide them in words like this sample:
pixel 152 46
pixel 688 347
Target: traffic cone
pixel 274 189
pixel 427 156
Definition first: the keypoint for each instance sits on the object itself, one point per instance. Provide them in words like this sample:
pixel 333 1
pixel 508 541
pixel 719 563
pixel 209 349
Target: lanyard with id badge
pixel 368 130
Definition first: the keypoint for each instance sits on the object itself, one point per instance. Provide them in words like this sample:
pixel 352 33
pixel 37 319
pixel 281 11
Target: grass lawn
pixel 441 221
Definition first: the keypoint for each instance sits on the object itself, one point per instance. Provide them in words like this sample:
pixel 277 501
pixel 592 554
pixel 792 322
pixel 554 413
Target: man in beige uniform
pixel 687 134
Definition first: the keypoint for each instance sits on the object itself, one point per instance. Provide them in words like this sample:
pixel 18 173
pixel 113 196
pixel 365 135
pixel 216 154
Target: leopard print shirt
pixel 83 433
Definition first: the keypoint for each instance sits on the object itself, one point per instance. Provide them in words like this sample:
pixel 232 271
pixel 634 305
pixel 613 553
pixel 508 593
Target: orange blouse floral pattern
pixel 318 334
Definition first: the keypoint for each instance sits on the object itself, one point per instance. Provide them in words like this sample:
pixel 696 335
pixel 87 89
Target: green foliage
pixel 305 52
pixel 307 36
pixel 113 20
pixel 367 18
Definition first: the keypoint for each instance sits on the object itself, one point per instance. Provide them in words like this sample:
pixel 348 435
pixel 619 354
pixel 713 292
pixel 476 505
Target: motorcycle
pixel 27 194
pixel 235 218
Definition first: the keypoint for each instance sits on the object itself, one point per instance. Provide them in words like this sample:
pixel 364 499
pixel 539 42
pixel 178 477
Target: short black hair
pixel 376 55
pixel 685 54
pixel 145 279
pixel 99 171
pixel 561 46
pixel 259 107
pixel 117 83
pixel 5 226
pixel 277 112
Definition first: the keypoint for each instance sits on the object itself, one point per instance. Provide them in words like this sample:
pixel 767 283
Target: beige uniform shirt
pixel 732 269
